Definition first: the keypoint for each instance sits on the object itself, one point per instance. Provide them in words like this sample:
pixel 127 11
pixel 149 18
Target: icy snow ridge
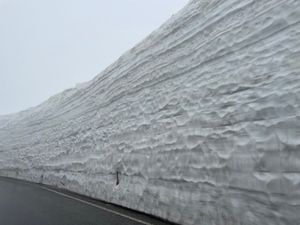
pixel 201 120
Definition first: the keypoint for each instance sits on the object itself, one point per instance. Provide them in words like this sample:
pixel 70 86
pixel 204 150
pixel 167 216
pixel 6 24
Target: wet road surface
pixel 23 203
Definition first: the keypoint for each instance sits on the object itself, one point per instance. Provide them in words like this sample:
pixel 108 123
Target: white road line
pixel 96 206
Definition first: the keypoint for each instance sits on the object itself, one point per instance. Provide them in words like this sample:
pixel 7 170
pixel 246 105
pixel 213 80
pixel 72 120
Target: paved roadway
pixel 23 203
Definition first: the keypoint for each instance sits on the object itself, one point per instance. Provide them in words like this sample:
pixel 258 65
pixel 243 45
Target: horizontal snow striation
pixel 201 121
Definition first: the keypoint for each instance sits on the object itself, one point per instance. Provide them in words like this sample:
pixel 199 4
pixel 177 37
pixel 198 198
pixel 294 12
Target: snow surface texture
pixel 201 120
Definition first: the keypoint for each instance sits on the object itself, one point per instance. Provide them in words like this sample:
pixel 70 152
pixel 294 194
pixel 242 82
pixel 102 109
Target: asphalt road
pixel 23 203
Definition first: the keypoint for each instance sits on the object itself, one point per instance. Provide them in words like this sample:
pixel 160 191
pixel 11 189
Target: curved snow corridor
pixel 201 120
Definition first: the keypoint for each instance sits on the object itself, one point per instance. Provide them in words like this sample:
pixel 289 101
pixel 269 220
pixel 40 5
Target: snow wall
pixel 201 120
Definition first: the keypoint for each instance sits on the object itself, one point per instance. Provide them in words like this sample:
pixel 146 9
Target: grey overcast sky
pixel 47 46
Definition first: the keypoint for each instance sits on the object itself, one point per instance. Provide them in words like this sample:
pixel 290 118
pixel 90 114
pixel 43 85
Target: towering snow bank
pixel 201 120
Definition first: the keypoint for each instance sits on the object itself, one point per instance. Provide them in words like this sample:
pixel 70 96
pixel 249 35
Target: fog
pixel 48 46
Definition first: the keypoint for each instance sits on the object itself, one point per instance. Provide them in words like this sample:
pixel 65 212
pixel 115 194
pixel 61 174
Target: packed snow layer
pixel 201 120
